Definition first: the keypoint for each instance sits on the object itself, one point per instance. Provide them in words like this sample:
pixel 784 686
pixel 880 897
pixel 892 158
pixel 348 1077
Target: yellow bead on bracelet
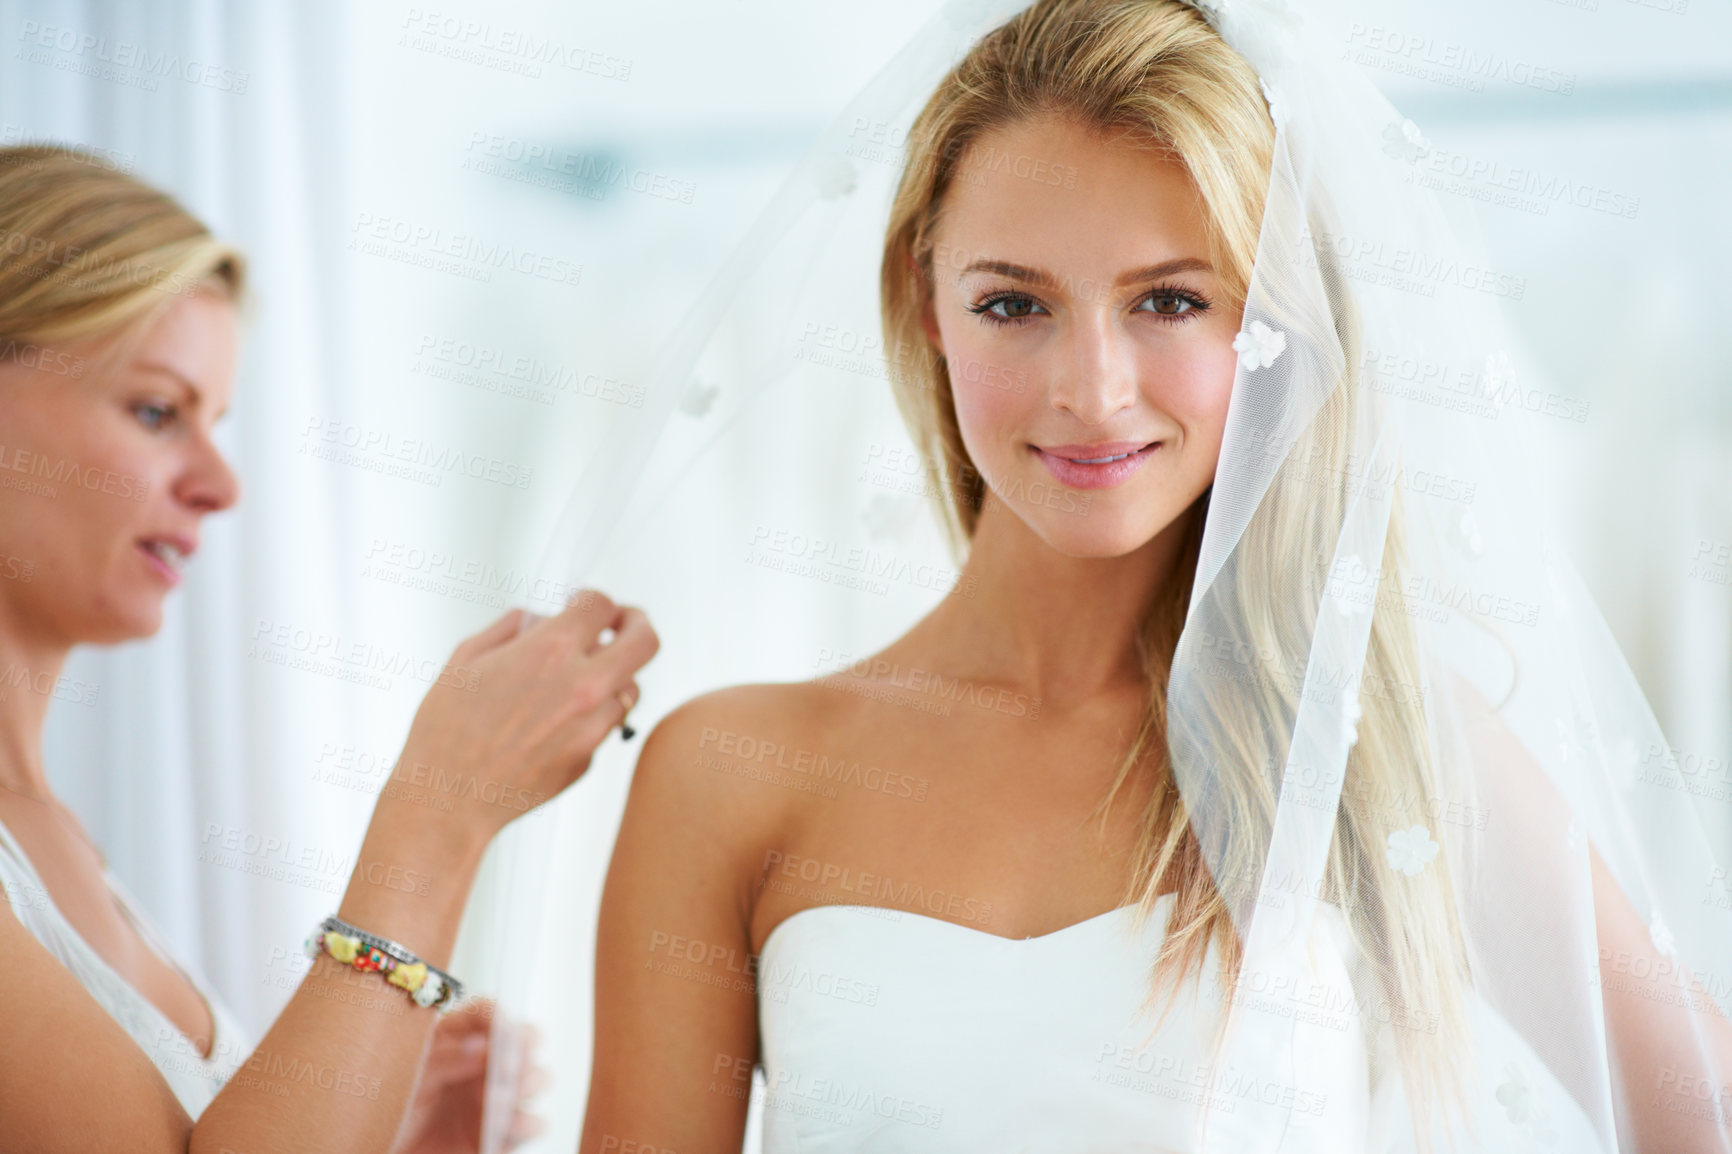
pixel 410 978
pixel 341 946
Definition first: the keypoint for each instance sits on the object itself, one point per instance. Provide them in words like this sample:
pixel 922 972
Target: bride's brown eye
pixel 1007 308
pixel 1175 304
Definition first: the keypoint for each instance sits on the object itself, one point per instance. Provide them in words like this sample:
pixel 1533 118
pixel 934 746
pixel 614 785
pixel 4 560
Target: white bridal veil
pixel 1392 694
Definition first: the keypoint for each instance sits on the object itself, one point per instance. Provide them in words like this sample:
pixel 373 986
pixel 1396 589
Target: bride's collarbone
pixel 1002 861
pixel 990 822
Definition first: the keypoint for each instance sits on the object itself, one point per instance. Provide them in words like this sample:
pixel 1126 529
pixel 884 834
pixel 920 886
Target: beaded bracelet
pixel 428 985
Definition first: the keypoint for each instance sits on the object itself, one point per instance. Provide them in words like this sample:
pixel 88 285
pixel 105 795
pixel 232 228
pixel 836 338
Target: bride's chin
pixel 1102 540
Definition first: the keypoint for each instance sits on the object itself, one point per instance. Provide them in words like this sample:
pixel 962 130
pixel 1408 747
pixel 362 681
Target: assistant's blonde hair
pixel 88 251
pixel 1154 73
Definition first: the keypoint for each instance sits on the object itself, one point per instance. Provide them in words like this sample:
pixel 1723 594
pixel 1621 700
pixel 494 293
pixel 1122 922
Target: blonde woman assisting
pixel 118 321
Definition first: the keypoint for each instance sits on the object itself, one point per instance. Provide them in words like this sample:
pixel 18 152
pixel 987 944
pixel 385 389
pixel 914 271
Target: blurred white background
pixel 370 156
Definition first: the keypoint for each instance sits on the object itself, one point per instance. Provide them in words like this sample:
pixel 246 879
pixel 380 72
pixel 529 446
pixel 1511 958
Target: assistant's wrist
pixel 411 900
pixel 477 803
pixel 435 842
pixel 428 798
pixel 413 875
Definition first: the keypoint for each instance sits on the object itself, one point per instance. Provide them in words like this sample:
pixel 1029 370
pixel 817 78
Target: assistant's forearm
pixel 338 1067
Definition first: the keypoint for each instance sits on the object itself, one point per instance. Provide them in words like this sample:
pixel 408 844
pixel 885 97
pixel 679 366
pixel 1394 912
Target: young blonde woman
pixel 1235 887
pixel 118 334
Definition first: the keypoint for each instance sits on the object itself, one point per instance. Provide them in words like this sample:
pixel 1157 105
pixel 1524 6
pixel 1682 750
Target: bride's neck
pixel 1063 627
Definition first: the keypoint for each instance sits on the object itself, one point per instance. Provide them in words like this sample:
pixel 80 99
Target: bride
pixel 1205 894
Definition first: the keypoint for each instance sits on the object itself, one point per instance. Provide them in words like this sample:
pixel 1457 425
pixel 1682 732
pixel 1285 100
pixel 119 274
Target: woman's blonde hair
pixel 88 251
pixel 1155 74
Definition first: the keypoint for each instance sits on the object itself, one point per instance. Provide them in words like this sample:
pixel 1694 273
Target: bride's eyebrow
pixel 1042 279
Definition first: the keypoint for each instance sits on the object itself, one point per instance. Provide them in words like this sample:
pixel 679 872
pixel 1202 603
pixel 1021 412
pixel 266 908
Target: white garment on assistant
pixel 194 1079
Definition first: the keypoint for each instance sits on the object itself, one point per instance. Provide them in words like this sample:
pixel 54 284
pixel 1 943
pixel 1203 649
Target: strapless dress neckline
pixel 886 913
pixel 885 1030
pixel 888 1030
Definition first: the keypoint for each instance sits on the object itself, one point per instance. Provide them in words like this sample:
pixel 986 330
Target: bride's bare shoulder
pixel 746 717
pixel 721 756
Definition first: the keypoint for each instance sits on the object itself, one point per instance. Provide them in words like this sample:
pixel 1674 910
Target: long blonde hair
pixel 88 251
pixel 1154 72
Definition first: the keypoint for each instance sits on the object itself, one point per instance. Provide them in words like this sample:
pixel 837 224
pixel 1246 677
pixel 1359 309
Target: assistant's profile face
pixel 1088 339
pixel 113 470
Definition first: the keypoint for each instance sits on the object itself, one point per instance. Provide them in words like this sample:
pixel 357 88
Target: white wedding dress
pixel 195 1079
pixel 891 1031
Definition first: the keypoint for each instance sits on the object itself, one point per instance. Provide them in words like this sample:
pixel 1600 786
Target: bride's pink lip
pixel 1062 461
pixel 1101 449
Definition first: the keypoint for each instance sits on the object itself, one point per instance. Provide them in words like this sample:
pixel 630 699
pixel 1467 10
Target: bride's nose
pixel 1096 376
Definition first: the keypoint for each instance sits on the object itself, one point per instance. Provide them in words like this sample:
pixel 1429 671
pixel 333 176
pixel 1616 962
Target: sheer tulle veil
pixel 1392 695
